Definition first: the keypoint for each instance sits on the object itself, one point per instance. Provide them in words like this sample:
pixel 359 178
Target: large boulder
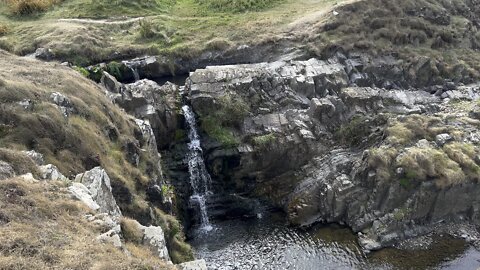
pixel 98 184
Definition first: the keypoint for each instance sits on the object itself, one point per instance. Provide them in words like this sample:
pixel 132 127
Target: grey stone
pixel 154 237
pixel 111 237
pixel 6 170
pixel 51 172
pixel 35 156
pixel 63 103
pixel 193 265
pixel 43 54
pixel 81 192
pixel 110 83
pixel 442 139
pixel 98 184
pixel 26 104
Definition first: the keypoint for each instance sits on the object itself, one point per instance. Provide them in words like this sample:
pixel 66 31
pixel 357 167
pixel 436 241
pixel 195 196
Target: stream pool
pixel 267 243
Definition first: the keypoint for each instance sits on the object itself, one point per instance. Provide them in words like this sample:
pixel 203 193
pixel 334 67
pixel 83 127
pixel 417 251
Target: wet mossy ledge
pixel 53 110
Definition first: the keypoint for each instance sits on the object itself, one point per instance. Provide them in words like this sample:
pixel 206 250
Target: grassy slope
pixel 446 31
pixel 41 227
pixel 182 26
pixel 76 143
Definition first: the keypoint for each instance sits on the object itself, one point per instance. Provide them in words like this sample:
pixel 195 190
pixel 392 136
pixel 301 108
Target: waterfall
pixel 199 177
pixel 134 70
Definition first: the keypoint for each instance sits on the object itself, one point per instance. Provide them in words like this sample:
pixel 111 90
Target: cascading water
pixel 134 70
pixel 199 177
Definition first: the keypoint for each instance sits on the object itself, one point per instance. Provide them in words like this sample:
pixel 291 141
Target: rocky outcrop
pixel 98 185
pixel 147 100
pixel 154 107
pixel 302 132
pixel 294 110
pixel 156 67
pixel 64 104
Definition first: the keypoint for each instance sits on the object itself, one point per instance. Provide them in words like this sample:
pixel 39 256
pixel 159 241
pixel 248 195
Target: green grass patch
pixel 263 141
pixel 218 132
pixel 354 132
pixel 111 8
pixel 82 71
pixel 220 122
pixel 238 5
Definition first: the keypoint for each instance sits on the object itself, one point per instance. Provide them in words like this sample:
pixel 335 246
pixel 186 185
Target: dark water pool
pixel 267 243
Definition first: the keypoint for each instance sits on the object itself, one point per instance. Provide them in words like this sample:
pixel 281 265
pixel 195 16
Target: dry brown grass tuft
pixel 381 160
pixel 20 162
pixel 422 164
pixel 3 29
pixel 27 7
pixel 131 231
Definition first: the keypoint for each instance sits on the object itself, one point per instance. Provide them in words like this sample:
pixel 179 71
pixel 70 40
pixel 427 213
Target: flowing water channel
pixel 199 178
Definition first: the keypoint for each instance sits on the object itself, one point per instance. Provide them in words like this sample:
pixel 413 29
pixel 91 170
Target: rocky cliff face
pixel 385 161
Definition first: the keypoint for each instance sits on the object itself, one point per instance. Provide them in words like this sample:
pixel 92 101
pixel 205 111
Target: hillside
pixel 146 134
pixel 54 110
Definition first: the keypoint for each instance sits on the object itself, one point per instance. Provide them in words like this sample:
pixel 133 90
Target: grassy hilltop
pixel 176 27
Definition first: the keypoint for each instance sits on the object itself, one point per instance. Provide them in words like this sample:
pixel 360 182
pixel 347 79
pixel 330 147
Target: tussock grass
pixel 412 29
pixel 73 144
pixel 415 127
pixel 28 7
pixel 422 164
pixel 20 162
pixel 381 160
pixel 451 164
pixel 131 231
pixel 3 29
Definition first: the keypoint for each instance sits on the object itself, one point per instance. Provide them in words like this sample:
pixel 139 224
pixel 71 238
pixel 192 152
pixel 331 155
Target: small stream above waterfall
pixel 199 177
